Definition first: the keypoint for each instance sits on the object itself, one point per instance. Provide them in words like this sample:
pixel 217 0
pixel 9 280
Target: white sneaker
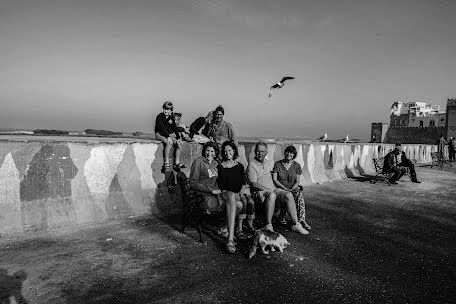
pixel 298 228
pixel 269 227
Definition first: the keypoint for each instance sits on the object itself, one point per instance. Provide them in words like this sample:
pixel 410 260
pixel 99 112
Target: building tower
pixel 450 128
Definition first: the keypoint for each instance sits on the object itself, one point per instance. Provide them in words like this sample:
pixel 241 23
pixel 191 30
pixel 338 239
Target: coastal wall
pixel 410 135
pixel 49 183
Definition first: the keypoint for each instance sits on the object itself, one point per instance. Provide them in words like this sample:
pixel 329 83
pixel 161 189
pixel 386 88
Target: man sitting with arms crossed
pixel 393 163
pixel 263 190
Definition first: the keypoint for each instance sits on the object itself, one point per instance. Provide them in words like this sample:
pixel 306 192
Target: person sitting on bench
pixel 397 165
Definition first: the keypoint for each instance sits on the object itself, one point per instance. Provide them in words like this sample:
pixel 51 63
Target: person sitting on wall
pixel 166 131
pixel 201 125
pixel 394 163
pixel 184 131
pixel 264 191
pixel 221 130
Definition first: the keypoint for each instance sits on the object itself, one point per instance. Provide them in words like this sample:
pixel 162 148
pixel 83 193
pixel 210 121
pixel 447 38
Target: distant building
pixel 416 123
pixel 450 129
pixel 416 114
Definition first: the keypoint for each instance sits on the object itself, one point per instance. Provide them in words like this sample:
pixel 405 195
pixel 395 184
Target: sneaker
pixel 305 225
pixel 393 183
pixel 416 181
pixel 269 227
pixel 298 228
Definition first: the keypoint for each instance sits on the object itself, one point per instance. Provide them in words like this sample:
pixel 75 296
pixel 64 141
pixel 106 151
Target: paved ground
pixel 369 243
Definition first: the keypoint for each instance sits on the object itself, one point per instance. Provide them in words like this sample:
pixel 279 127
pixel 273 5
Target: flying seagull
pixel 345 139
pixel 323 137
pixel 279 85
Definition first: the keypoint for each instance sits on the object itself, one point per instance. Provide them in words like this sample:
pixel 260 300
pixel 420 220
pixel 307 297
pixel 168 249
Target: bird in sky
pixel 279 84
pixel 345 139
pixel 323 137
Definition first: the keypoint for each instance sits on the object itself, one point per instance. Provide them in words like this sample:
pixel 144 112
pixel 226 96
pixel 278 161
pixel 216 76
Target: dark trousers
pixel 452 153
pixel 398 173
pixel 411 166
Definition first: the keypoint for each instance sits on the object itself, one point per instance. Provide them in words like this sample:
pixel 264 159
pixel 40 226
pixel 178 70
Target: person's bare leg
pixel 269 205
pixel 291 207
pixel 229 198
pixel 177 152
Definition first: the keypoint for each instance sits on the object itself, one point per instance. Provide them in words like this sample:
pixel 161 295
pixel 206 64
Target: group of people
pixel 221 180
pixel 171 131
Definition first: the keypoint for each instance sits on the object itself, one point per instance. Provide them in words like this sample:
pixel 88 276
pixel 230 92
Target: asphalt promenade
pixel 369 243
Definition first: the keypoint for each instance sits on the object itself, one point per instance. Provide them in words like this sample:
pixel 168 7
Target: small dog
pixel 264 237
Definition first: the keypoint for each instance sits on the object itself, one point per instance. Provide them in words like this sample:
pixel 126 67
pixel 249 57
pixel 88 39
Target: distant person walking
pixel 451 149
pixel 441 145
pixel 166 131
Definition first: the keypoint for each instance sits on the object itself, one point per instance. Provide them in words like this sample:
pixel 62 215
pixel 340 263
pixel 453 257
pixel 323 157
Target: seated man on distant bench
pixel 393 164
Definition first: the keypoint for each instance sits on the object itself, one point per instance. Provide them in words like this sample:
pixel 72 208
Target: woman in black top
pixel 231 180
pixel 166 131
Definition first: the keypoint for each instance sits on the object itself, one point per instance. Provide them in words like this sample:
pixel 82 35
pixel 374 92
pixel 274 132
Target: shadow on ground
pixel 369 243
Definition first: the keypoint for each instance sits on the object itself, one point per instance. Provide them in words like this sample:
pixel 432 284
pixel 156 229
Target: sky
pixel 110 64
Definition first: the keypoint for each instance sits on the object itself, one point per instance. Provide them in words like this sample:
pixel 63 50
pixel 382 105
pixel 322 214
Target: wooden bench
pixel 439 159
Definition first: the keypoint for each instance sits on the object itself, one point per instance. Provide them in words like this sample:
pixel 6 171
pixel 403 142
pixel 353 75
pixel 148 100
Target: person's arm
pixel 252 177
pixel 194 178
pixel 275 174
pixel 298 176
pixel 277 183
pixel 174 127
pixel 232 134
pixel 220 178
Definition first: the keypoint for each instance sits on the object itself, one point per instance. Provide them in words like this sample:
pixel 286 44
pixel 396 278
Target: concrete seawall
pixel 49 183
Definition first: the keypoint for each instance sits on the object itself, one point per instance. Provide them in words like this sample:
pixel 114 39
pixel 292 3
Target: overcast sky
pixel 110 64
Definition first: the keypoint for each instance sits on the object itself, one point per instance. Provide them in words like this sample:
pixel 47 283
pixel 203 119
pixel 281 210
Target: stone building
pixel 416 122
pixel 416 114
pixel 450 127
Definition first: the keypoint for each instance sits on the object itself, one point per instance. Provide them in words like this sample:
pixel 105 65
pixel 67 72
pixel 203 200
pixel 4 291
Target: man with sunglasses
pixel 166 131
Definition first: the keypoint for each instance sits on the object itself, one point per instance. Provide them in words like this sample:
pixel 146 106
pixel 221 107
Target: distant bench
pixel 439 159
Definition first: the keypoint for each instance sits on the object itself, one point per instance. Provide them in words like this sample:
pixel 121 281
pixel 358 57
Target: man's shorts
pixel 259 197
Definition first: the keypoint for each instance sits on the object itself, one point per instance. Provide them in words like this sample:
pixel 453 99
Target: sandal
pixel 250 230
pixel 230 247
pixel 241 235
pixel 165 168
pixel 179 166
pixel 283 221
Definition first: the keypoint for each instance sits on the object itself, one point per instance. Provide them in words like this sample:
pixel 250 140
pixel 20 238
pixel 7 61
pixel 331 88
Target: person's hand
pixel 216 191
pixel 261 196
pixel 169 140
pixel 238 196
pixel 179 141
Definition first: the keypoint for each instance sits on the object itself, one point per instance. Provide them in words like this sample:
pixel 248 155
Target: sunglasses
pixel 168 109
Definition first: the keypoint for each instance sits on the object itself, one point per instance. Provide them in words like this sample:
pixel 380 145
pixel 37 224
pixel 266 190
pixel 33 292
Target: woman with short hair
pixel 286 175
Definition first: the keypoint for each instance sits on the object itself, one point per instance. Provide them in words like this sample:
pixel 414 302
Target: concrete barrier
pixel 47 183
